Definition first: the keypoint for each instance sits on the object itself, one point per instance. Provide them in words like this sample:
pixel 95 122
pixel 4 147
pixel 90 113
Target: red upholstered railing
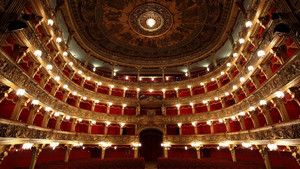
pixel 123 163
pixel 189 163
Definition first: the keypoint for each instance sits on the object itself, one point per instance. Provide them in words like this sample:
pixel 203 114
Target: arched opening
pixel 151 140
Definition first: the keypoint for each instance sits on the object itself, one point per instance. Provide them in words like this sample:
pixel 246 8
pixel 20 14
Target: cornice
pixel 282 134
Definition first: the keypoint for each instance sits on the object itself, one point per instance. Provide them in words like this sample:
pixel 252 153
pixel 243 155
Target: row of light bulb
pixel 242 79
pixel 21 92
pixel 278 94
pixel 50 22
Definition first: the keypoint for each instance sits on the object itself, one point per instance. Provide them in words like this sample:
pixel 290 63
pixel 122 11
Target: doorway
pixel 151 140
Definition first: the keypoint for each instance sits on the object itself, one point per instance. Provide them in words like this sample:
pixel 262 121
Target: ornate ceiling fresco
pixel 150 30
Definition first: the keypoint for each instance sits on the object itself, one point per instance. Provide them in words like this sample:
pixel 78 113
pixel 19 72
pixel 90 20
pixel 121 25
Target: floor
pixel 151 165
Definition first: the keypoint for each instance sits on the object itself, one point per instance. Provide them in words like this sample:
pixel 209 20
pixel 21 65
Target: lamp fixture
pixel 20 92
pixel 38 53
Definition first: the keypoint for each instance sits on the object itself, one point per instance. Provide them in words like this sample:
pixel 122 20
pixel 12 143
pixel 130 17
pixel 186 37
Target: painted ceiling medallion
pixel 150 19
pixel 143 32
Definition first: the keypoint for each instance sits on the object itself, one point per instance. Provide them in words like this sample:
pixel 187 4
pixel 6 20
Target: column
pixel 241 7
pixel 295 92
pixel 59 4
pixel 124 92
pixel 62 65
pixel 138 73
pixel 164 93
pixel 195 128
pixel 242 122
pixel 4 149
pixel 121 129
pixel 4 91
pixel 230 38
pixel 178 109
pixel 163 73
pixel 112 70
pixel 33 69
pixel 108 108
pixel 208 106
pixel 90 127
pixel 78 100
pixel 278 103
pixel 165 152
pixel 193 107
pixel 66 94
pixel 68 151
pixel 198 153
pixel 70 37
pixel 163 110
pixel 47 39
pixel 218 82
pixel 188 67
pixel 20 52
pixel 264 109
pixel 136 152
pixel 180 131
pixel 228 129
pixel 93 105
pixel 245 89
pixel 229 75
pixel 266 69
pixel 33 112
pixel 235 96
pixel 103 152
pixel 280 53
pixel 296 153
pixel 176 90
pixel 110 90
pixel 253 115
pixel 22 101
pixel 46 119
pixel 54 89
pixel 213 59
pixel 106 128
pixel 123 109
pixel 212 131
pixel 255 81
pixel 82 81
pixel 205 87
pixel 58 122
pixel 86 63
pixel 222 99
pixel 138 110
pixel 73 126
pixel 36 151
pixel 264 153
pixel 44 80
pixel 232 151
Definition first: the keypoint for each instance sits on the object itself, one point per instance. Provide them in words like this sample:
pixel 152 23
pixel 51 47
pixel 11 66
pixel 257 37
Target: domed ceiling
pixel 141 31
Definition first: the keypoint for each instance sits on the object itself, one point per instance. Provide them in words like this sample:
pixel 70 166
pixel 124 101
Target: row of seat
pixel 182 163
pixel 110 163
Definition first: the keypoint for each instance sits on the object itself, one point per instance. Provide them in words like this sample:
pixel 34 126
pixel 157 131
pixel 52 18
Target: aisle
pixel 151 165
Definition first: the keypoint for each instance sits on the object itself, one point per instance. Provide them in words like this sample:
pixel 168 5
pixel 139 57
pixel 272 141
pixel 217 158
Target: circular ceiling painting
pixel 147 31
pixel 151 20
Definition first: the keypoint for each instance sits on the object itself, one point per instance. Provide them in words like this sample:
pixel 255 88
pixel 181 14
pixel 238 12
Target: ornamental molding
pixel 11 73
pixel 14 131
pixel 288 132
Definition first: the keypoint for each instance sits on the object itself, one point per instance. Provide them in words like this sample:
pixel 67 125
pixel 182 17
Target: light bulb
pixel 150 22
